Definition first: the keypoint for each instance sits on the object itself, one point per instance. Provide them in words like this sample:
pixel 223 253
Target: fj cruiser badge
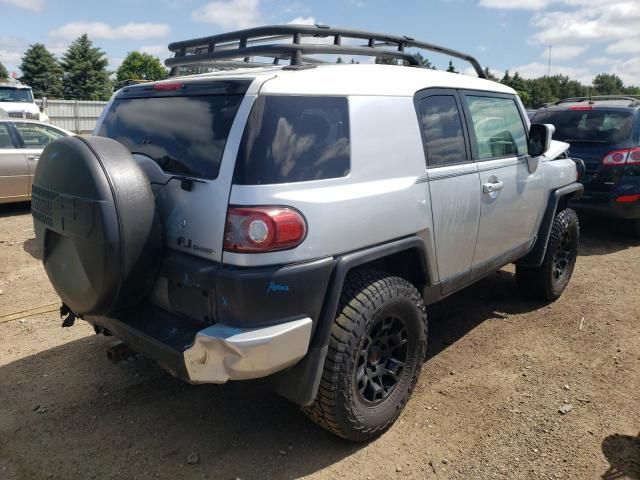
pixel 188 243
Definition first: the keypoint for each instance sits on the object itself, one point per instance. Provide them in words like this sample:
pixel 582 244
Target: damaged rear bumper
pixel 220 353
pixel 213 354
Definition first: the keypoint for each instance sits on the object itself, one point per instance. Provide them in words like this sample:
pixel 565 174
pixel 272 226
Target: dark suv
pixel 603 131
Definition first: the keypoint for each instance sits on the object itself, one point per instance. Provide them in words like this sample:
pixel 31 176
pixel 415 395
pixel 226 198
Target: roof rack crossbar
pixel 251 42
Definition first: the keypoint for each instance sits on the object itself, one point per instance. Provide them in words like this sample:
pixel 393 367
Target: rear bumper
pixel 220 353
pixel 214 354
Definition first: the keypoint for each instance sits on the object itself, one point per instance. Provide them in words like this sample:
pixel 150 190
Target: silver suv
pixel 293 221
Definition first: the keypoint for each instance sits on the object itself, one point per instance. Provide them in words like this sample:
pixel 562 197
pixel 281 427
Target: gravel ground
pixel 487 405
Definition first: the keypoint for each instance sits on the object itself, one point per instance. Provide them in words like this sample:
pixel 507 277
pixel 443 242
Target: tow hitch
pixel 118 351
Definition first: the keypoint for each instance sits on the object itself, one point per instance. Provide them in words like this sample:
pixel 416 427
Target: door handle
pixel 492 187
pixel 33 157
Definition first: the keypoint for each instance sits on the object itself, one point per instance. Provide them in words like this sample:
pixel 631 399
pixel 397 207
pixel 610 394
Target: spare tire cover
pixel 96 224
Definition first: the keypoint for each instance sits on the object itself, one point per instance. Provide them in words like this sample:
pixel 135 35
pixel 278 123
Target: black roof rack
pixel 285 42
pixel 598 98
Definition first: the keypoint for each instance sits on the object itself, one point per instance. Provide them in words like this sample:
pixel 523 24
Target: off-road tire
pixel 540 282
pixel 368 298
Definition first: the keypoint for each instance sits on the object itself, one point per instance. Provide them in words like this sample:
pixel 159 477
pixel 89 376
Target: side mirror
pixel 539 142
pixel 540 138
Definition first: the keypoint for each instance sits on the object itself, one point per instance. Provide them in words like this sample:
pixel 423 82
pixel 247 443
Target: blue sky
pixel 588 36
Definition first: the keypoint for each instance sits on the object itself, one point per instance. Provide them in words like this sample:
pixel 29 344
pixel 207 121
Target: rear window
pixel 294 139
pixel 589 126
pixel 185 135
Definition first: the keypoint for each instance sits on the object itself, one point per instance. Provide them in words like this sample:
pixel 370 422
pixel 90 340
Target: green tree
pixel 608 84
pixel 141 66
pixel 490 75
pixel 339 60
pixel 451 68
pixel 3 71
pixel 41 71
pixel 85 71
pixel 386 61
pixel 424 61
pixel 506 79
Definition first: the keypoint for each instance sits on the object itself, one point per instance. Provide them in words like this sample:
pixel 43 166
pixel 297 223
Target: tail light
pixel 629 156
pixel 628 198
pixel 263 229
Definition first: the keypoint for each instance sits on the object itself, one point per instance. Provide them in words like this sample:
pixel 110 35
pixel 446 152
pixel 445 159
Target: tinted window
pixel 498 127
pixel 184 135
pixel 37 136
pixel 442 130
pixel 589 126
pixel 5 138
pixel 294 139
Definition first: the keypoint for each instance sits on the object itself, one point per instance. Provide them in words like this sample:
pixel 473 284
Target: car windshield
pixel 9 94
pixel 588 126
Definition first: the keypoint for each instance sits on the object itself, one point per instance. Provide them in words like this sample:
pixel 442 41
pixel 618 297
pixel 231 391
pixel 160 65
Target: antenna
pixel 549 68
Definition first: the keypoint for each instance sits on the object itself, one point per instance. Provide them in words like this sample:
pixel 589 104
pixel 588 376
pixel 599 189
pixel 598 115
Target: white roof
pixel 359 79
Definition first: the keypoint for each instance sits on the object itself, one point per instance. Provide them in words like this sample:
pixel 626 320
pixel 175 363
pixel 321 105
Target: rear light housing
pixel 628 198
pixel 168 86
pixel 581 107
pixel 628 156
pixel 263 229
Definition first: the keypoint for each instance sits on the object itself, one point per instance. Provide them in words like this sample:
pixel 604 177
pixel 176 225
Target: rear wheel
pixel 548 281
pixel 376 350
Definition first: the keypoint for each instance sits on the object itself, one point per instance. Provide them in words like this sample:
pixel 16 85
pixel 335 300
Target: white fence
pixel 78 116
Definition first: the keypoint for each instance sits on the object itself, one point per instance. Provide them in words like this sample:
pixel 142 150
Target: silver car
pixel 21 143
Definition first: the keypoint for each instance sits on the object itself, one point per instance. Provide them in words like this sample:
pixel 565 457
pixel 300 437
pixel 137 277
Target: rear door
pixel 185 136
pixel 511 197
pixel 34 137
pixel 454 184
pixel 14 178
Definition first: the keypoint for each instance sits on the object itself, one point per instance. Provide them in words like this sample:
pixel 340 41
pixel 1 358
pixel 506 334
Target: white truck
pixel 16 101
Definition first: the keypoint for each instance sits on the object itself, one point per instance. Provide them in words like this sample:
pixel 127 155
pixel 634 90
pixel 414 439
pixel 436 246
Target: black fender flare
pixel 300 383
pixel 563 194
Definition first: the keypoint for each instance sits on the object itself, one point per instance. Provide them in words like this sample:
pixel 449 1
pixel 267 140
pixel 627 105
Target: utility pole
pixel 549 68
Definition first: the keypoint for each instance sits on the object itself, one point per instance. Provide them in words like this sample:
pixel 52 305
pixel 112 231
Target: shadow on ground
pixel 10 209
pixel 623 454
pixel 601 236
pixel 134 421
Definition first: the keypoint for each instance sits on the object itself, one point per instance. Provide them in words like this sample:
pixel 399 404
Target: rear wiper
pixel 167 161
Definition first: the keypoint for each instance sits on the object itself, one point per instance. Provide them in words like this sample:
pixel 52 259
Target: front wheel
pixel 377 347
pixel 548 281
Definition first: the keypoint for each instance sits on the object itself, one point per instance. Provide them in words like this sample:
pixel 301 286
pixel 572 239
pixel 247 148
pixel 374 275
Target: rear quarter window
pixel 294 139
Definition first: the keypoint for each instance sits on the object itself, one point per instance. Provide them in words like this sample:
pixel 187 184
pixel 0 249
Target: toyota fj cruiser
pixel 293 221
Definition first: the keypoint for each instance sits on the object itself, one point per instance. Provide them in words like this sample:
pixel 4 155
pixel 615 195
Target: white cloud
pixel 515 4
pixel 100 30
pixel 565 52
pixel 601 61
pixel 627 45
pixel 158 50
pixel 303 21
pixel 229 13
pixel 33 5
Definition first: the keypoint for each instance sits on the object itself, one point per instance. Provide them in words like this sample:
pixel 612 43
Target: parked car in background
pixel 603 131
pixel 21 142
pixel 16 101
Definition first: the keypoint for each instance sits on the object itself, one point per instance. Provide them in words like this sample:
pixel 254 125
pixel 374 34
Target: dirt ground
pixel 487 404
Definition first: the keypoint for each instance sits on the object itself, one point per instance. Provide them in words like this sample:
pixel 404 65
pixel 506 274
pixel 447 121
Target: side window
pixel 498 127
pixel 5 138
pixel 37 136
pixel 442 128
pixel 294 139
